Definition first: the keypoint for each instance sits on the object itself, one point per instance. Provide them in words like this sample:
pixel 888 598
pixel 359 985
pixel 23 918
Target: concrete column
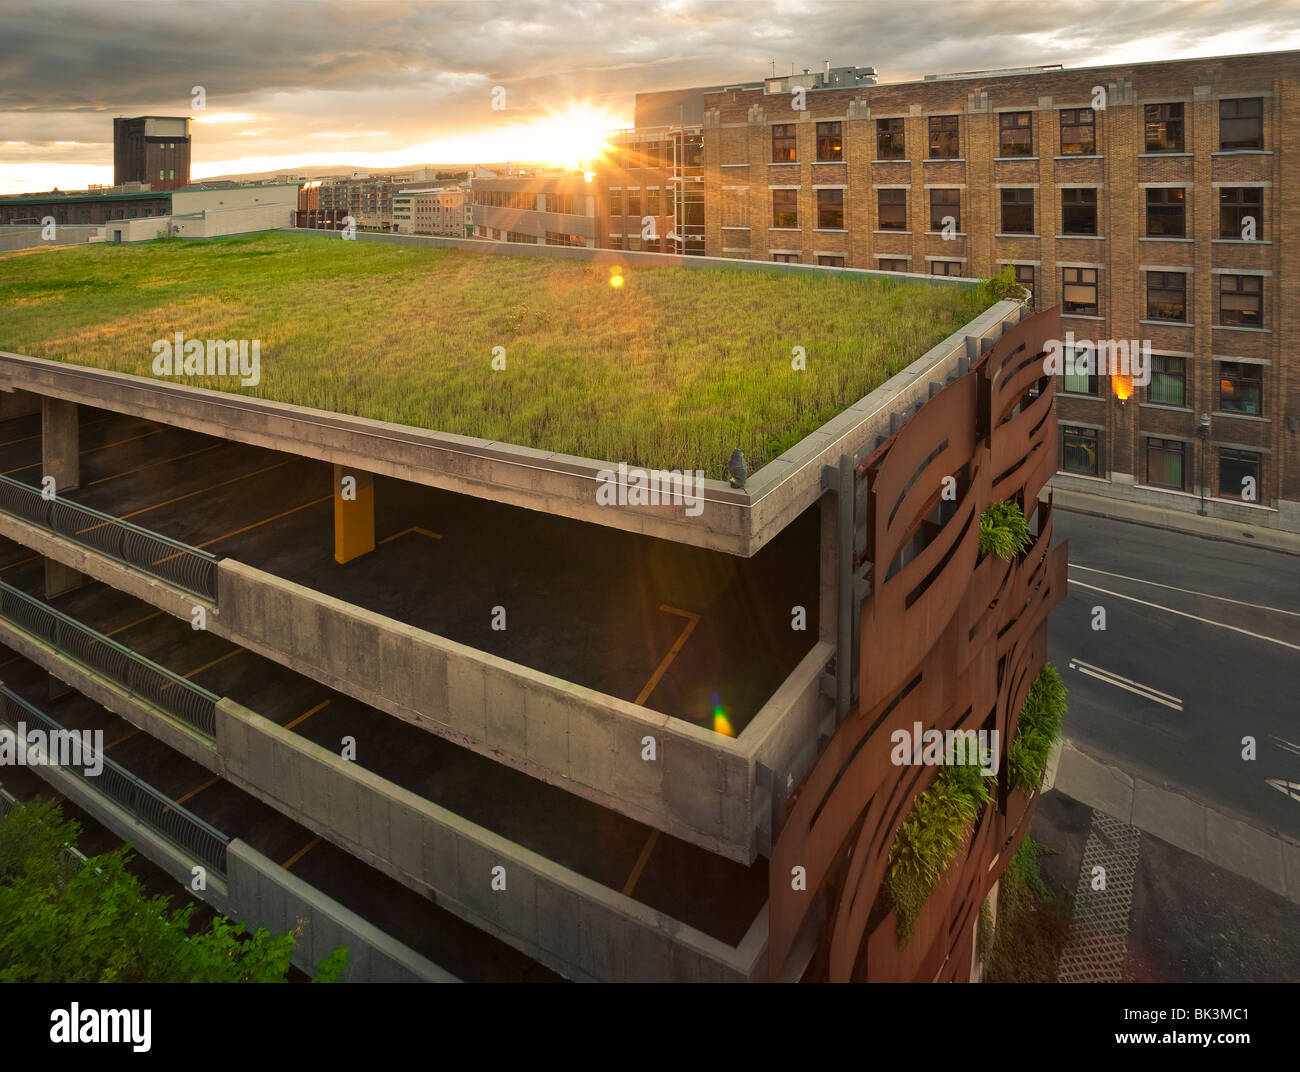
pixel 354 513
pixel 60 459
pixel 60 444
pixel 829 559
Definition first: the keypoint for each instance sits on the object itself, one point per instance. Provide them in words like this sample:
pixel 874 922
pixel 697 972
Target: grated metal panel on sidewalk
pixel 1097 948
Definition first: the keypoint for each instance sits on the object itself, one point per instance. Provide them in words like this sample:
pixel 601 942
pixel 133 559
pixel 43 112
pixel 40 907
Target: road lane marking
pixel 1120 683
pixel 1286 746
pixel 1127 680
pixel 1184 614
pixel 1188 591
pixel 300 853
pixel 1290 789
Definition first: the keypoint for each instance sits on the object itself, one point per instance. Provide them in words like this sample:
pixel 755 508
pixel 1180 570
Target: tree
pixel 65 920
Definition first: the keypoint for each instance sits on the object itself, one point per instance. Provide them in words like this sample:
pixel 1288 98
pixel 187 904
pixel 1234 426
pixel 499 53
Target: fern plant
pixel 1040 725
pixel 1003 530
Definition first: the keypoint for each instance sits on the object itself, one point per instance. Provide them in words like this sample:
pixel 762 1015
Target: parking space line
pixel 653 838
pixel 641 861
pixel 301 853
pixel 124 737
pixel 206 666
pixel 20 562
pixel 201 491
pixel 413 528
pixel 305 717
pixel 88 450
pixel 667 661
pixel 264 521
pixel 151 465
pixel 132 625
pixel 195 792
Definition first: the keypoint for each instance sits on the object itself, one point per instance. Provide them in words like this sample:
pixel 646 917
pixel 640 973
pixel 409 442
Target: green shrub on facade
pixel 931 836
pixel 1003 530
pixel 1040 725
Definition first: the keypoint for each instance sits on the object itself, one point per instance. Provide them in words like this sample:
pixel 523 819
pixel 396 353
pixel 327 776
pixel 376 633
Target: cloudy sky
pixel 291 85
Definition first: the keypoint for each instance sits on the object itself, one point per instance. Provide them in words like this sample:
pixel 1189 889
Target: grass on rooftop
pixel 674 369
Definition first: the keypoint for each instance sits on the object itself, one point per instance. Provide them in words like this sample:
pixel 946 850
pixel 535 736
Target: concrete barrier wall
pixel 266 895
pixel 19 236
pixel 699 788
pixel 574 925
pixel 116 698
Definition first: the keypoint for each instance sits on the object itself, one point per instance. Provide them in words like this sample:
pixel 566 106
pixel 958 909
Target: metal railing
pixel 193 705
pixel 145 804
pixel 169 560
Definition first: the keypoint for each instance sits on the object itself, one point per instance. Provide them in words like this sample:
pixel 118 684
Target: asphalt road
pixel 1201 648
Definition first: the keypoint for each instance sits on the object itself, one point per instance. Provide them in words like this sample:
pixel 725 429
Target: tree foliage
pixel 62 920
pixel 1003 530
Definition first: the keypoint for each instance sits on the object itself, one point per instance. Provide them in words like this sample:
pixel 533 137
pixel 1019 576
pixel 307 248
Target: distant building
pixel 437 211
pixel 153 149
pixel 553 210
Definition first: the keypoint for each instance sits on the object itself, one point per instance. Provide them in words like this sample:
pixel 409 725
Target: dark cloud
pixel 418 70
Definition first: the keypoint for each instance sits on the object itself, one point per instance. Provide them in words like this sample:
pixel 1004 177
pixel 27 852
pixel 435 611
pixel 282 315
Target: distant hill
pixel 343 170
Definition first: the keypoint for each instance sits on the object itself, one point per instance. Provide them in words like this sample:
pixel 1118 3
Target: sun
pixel 572 137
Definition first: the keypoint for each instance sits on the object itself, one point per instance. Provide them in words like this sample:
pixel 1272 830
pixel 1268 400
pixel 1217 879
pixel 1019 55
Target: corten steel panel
pixel 949 640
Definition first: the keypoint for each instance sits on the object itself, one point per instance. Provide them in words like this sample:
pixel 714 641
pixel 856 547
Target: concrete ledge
pixel 565 920
pixel 116 698
pixel 280 901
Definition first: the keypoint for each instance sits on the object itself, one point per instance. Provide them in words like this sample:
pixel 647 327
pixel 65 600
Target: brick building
pixel 153 149
pixel 550 209
pixel 1144 198
pixel 438 211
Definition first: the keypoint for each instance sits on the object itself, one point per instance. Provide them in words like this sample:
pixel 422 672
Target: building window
pixel 889 139
pixel 634 203
pixel 1168 380
pixel 1167 212
pixel 827 260
pixel 615 202
pixel 1078 132
pixel 1240 211
pixel 1079 211
pixel 1079 450
pixel 1079 379
pixel 943 137
pixel 785 208
pixel 616 241
pixel 1240 388
pixel 945 204
pixel 830 210
pixel 652 202
pixel 892 206
pixel 1241 301
pixel 1164 128
pixel 555 238
pixel 786 258
pixel 162 175
pixel 1167 296
pixel 1018 211
pixel 1016 134
pixel 171 175
pixel 783 143
pixel 1239 474
pixel 945 267
pixel 1241 123
pixel 1079 291
pixel 891 264
pixel 1165 463
pixel 830 142
pixel 63 216
pixel 1025 277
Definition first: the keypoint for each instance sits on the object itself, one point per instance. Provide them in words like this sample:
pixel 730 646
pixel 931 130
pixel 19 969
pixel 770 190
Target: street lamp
pixel 1205 435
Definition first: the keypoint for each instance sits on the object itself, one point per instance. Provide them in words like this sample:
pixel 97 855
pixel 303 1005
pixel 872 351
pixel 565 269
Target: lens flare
pixel 721 724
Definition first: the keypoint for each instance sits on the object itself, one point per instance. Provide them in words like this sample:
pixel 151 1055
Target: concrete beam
pixel 60 460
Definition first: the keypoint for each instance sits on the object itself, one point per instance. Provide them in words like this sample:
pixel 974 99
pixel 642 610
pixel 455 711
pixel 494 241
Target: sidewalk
pixel 1210 528
pixel 1268 859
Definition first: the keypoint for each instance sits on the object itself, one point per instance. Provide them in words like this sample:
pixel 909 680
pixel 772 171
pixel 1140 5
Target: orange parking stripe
pixel 20 562
pixel 301 853
pixel 641 861
pixel 304 718
pixel 124 737
pixel 413 528
pixel 195 792
pixel 266 521
pixel 151 465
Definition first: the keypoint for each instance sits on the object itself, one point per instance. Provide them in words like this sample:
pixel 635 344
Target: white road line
pixel 1286 746
pixel 1128 688
pixel 1187 591
pixel 1184 614
pixel 1129 680
pixel 1290 789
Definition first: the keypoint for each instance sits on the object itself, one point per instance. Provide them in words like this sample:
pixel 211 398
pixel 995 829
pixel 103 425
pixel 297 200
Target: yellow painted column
pixel 354 513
